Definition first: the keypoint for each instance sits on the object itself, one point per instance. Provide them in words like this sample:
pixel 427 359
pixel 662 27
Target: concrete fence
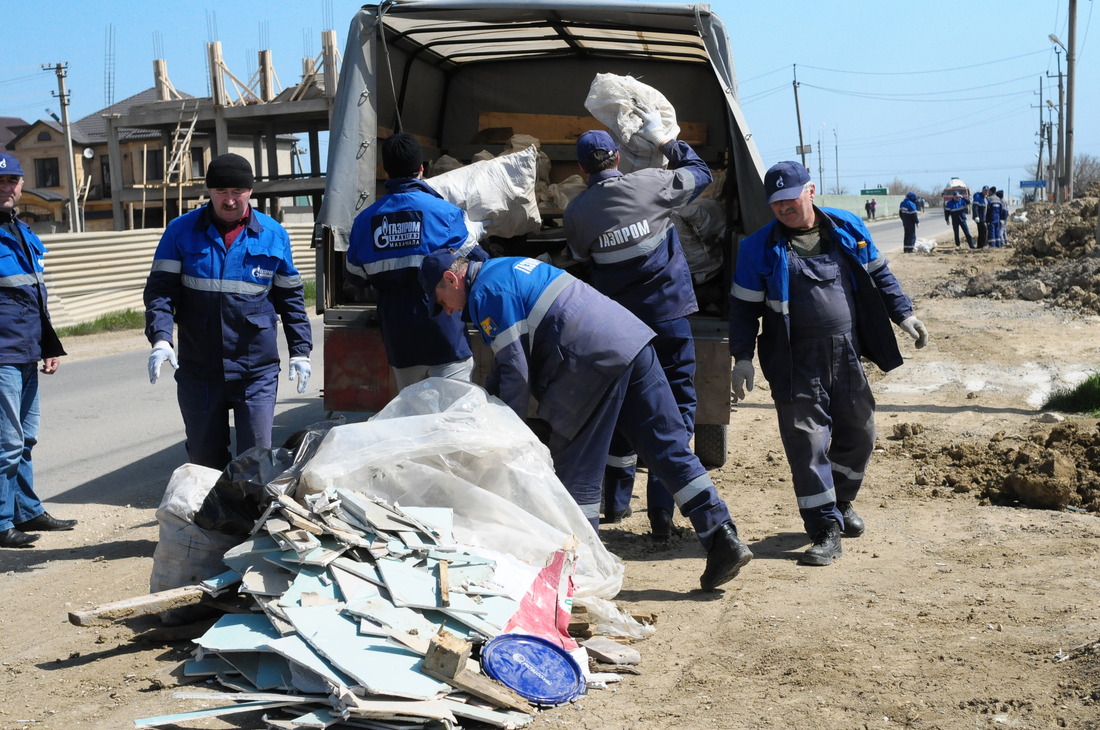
pixel 91 274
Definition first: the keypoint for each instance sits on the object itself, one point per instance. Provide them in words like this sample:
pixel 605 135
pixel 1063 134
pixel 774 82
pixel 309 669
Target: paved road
pixel 888 233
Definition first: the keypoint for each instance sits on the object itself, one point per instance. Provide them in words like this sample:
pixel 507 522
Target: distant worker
pixel 874 208
pixel 978 209
pixel 954 210
pixel 224 276
pixel 909 221
pixel 997 216
pixel 826 297
pixel 26 337
pixel 867 209
pixel 388 241
pixel 590 365
pixel 623 225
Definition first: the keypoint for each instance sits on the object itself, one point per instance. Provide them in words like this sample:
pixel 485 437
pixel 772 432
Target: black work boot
pixel 726 557
pixel 614 518
pixel 660 524
pixel 826 547
pixel 853 523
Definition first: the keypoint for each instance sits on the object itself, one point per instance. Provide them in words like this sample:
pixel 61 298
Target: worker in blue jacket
pixel 224 276
pixel 623 225
pixel 954 210
pixel 826 298
pixel 997 216
pixel 387 243
pixel 910 219
pixel 590 365
pixel 978 210
pixel 26 338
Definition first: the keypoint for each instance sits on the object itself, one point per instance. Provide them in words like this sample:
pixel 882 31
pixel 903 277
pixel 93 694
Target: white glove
pixel 300 369
pixel 161 351
pixel 653 126
pixel 741 378
pixel 915 329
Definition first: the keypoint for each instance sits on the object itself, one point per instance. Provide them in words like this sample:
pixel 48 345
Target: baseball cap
pixel 784 181
pixel 9 165
pixel 431 272
pixel 593 141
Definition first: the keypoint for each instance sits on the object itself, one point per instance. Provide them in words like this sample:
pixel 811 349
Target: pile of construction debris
pixel 1055 257
pixel 348 607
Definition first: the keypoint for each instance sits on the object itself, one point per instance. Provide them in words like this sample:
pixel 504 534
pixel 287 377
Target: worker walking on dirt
pixel 826 298
pixel 978 209
pixel 26 337
pixel 591 366
pixel 387 243
pixel 224 276
pixel 909 221
pixel 623 225
pixel 954 210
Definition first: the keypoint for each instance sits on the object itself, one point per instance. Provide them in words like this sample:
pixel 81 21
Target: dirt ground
pixel 961 607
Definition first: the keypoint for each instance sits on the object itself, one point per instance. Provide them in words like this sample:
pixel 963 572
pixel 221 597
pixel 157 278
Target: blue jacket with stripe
pixel 26 334
pixel 388 241
pixel 553 337
pixel 226 303
pixel 760 293
pixel 623 224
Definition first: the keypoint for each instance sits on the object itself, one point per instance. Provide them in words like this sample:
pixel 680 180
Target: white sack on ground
pixel 613 100
pixel 447 443
pixel 499 192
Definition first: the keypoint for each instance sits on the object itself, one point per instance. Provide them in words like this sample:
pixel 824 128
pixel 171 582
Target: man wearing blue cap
pixel 591 366
pixel 909 221
pixel 26 336
pixel 826 298
pixel 623 225
pixel 224 276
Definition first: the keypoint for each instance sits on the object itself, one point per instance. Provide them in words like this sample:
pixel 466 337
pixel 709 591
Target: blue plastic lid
pixel 538 670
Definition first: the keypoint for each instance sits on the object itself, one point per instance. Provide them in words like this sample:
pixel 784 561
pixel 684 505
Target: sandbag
pixel 613 100
pixel 500 193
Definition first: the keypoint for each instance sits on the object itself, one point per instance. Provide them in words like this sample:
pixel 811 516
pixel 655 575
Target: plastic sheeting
pixel 447 443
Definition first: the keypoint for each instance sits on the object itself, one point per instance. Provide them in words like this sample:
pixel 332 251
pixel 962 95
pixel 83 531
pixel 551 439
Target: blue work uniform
pixel 996 216
pixel 623 225
pixel 26 337
pixel 907 211
pixel 387 243
pixel 589 364
pixel 819 315
pixel 978 210
pixel 227 304
pixel 954 210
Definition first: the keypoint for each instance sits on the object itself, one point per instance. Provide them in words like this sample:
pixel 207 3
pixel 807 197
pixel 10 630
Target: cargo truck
pixel 463 76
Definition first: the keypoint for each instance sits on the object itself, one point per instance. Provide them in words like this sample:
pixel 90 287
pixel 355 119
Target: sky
pixel 887 90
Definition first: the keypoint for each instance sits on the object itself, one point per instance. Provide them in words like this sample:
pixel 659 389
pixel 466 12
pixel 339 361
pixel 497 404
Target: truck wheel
pixel 712 443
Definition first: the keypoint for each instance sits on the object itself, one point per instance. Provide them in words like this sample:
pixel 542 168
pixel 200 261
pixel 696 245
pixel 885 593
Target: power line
pixel 919 73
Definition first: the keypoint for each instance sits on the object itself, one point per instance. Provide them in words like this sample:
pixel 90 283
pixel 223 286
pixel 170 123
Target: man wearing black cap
pixel 224 275
pixel 623 225
pixel 826 298
pixel 387 243
pixel 590 365
pixel 26 336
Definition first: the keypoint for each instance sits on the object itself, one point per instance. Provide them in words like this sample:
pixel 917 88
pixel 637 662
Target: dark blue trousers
pixel 205 406
pixel 640 405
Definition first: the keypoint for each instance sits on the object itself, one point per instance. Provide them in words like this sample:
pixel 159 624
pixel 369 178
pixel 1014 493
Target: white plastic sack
pixel 613 100
pixel 187 490
pixel 700 225
pixel 499 192
pixel 447 443
pixel 924 245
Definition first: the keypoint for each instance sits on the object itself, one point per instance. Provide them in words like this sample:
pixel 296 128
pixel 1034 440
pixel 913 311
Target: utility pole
pixel 798 116
pixel 1071 77
pixel 836 153
pixel 61 69
pixel 1039 164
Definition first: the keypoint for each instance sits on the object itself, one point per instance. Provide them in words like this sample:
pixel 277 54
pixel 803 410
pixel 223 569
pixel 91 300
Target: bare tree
pixel 1086 171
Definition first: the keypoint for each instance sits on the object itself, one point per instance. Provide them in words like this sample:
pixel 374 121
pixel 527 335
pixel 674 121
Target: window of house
pixel 45 136
pixel 198 165
pixel 154 165
pixel 105 174
pixel 47 173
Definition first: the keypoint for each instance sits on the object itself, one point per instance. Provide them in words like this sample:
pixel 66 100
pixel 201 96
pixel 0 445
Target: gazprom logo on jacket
pixel 399 229
pixel 626 234
pixel 489 327
pixel 258 273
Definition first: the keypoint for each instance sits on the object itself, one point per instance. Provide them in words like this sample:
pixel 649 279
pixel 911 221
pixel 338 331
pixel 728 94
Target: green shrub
pixel 1084 398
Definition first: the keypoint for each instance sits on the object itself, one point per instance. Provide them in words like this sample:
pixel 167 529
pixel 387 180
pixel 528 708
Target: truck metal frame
pixel 462 76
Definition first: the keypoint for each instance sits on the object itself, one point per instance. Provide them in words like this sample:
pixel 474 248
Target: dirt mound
pixel 1054 467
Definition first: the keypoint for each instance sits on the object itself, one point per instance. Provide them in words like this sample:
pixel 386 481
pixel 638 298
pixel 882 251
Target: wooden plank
pixel 561 128
pixel 141 606
pixel 447 660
